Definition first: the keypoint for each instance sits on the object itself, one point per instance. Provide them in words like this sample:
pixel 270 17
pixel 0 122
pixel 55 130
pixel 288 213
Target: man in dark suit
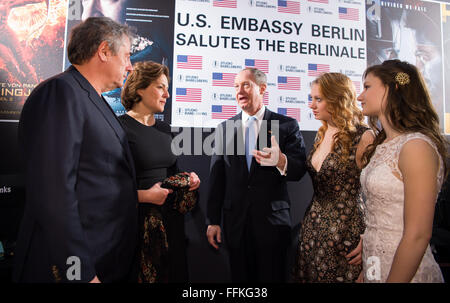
pixel 80 220
pixel 249 187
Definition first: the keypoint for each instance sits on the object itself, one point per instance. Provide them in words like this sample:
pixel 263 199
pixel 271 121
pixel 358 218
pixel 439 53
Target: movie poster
pixel 31 49
pixel 409 30
pixel 153 24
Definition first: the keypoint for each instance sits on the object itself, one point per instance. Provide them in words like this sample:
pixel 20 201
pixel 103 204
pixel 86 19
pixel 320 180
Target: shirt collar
pixel 259 114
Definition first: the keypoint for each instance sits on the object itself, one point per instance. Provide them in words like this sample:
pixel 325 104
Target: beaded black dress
pixel 333 221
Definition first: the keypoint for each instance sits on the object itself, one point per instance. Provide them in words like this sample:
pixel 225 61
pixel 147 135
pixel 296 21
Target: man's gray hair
pixel 259 76
pixel 86 37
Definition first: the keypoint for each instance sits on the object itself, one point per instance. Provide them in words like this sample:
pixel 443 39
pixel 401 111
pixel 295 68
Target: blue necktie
pixel 250 140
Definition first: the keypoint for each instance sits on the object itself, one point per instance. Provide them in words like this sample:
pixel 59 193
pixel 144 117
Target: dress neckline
pixel 393 139
pixel 139 123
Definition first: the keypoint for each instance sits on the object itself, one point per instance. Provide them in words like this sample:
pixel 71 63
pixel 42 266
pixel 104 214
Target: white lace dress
pixel 384 213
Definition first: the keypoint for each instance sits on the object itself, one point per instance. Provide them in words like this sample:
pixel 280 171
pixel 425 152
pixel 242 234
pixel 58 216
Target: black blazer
pixel 81 196
pixel 262 191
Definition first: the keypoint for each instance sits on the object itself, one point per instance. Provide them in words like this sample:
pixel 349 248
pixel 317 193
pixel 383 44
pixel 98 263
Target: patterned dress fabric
pixel 333 222
pixel 384 212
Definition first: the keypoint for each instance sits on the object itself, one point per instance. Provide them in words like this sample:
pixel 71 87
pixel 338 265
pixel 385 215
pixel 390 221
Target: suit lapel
pixel 106 111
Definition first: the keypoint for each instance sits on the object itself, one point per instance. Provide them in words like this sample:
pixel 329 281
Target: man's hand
pixel 271 156
pixel 212 233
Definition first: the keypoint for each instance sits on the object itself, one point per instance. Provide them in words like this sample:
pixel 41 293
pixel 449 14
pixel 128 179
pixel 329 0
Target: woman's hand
pixel 155 194
pixel 355 254
pixel 194 181
pixel 360 278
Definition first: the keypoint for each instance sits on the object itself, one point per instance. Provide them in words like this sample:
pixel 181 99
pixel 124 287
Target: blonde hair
pixel 340 96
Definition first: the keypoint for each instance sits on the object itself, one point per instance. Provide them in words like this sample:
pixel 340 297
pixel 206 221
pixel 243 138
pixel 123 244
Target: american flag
pixel 190 62
pixel 188 94
pixel 290 112
pixel 291 83
pixel 262 65
pixel 266 98
pixel 291 7
pixel 309 100
pixel 357 86
pixel 223 111
pixel 319 1
pixel 348 13
pixel 225 3
pixel 223 79
pixel 317 69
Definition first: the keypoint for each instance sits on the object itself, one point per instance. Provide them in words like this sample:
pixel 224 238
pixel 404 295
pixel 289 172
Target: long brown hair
pixel 339 93
pixel 408 106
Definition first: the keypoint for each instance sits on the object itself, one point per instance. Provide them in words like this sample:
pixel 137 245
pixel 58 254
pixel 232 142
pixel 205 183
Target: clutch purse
pixel 183 199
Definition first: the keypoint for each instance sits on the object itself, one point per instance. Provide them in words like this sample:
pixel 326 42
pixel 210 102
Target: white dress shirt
pixel 259 117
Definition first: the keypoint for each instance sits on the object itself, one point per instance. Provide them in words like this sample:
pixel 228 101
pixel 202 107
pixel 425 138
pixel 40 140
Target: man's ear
pixel 262 89
pixel 139 92
pixel 103 51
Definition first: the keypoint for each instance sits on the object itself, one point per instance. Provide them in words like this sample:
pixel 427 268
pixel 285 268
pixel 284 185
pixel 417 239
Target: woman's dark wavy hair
pixel 408 107
pixel 143 74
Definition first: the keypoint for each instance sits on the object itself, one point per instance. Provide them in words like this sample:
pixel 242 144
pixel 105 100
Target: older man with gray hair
pixel 80 220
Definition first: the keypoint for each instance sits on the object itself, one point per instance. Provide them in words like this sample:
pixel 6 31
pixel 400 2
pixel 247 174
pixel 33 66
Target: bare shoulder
pixel 367 137
pixel 418 153
pixel 418 147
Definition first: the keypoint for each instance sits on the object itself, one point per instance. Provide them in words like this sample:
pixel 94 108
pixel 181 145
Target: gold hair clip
pixel 402 78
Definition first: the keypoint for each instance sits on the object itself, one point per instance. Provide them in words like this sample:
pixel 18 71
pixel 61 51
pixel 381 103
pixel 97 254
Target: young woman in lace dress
pixel 328 242
pixel 405 170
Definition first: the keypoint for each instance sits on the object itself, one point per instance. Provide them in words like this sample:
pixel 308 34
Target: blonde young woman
pixel 329 249
pixel 404 174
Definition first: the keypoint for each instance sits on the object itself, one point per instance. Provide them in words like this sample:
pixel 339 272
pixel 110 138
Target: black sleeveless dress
pixel 333 222
pixel 162 250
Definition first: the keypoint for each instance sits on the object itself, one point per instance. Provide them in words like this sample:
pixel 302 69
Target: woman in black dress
pixel 162 250
pixel 333 222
